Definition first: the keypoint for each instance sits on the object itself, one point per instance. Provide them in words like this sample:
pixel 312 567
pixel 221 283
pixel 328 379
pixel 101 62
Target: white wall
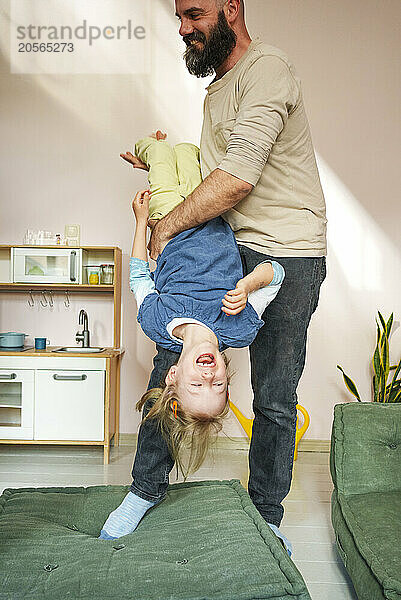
pixel 60 145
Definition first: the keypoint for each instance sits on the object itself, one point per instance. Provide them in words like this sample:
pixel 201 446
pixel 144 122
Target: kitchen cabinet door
pixel 69 405
pixel 16 404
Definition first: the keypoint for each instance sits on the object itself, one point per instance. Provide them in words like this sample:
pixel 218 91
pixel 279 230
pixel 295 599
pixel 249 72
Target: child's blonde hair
pixel 180 428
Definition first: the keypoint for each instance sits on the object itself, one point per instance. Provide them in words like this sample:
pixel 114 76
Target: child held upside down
pixel 197 302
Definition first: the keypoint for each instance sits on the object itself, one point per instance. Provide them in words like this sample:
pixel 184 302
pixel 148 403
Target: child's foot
pixel 286 543
pixel 125 518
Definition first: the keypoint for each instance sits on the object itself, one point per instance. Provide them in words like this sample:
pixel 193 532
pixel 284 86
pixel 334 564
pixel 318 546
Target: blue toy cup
pixel 40 343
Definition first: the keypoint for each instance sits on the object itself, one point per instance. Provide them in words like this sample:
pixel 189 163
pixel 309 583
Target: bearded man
pixel 260 173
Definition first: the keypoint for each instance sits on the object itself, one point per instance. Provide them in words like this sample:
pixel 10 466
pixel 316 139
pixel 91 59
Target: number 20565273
pixel 46 47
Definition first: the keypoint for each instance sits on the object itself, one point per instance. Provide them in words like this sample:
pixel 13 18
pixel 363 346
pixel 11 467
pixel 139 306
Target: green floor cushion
pixel 206 540
pixel 368 536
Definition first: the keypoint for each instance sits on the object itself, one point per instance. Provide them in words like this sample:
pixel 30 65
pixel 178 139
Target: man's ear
pixel 232 9
pixel 171 375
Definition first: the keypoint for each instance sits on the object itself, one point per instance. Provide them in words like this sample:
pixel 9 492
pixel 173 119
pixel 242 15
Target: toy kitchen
pixel 64 394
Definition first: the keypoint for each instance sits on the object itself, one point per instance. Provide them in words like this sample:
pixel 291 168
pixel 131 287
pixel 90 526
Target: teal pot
pixel 12 339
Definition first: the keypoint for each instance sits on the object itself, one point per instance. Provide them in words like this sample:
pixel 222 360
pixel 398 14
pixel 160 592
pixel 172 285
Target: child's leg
pixel 285 541
pixel 125 518
pixel 163 177
pixel 188 168
pixel 151 466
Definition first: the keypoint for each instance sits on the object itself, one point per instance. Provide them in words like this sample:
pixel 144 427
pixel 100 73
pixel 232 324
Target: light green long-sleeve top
pixel 256 129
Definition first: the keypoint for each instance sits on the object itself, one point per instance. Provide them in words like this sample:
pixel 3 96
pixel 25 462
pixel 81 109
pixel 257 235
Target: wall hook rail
pixel 67 299
pixel 51 300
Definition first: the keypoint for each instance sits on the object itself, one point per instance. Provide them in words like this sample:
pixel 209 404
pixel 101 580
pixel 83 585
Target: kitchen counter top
pixel 107 353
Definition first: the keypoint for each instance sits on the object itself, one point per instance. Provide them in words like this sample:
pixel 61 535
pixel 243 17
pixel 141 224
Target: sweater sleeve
pixel 140 280
pixel 268 93
pixel 260 299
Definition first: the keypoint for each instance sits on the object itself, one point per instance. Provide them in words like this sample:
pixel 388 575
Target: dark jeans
pixel 277 361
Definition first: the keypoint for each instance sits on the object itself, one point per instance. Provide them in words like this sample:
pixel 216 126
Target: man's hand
pixel 140 206
pixel 134 160
pixel 235 300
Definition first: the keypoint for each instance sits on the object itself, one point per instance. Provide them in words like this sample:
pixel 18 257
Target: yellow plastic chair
pixel 248 423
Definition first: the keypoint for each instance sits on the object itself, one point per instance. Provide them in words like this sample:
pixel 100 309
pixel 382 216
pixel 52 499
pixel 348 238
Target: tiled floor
pixel 307 508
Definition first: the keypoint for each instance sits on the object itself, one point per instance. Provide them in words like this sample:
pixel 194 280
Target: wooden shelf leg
pixel 106 455
pixel 117 425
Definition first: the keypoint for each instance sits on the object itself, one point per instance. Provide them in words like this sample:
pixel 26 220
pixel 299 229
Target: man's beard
pixel 216 49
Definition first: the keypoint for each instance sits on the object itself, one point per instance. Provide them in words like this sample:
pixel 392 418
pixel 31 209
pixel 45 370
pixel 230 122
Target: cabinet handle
pixel 70 377
pixel 73 266
pixel 10 376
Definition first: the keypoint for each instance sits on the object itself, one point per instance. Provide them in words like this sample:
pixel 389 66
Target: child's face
pixel 201 379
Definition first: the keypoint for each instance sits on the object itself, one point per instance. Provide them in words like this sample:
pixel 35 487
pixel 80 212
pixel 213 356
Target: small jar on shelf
pixel 107 274
pixel 92 274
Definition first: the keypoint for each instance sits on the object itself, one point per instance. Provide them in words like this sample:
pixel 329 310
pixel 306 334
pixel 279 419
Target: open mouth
pixel 206 360
pixel 193 42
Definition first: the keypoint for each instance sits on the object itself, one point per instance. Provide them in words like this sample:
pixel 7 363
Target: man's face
pixel 207 34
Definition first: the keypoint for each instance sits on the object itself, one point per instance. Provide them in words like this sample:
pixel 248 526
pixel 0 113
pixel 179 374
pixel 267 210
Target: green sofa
pixel 366 502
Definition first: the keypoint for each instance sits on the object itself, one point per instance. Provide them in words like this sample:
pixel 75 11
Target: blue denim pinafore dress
pixel 194 272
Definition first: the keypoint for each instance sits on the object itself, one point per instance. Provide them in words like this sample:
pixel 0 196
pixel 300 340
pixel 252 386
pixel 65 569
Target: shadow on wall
pixel 363 266
pixel 369 258
pixel 151 107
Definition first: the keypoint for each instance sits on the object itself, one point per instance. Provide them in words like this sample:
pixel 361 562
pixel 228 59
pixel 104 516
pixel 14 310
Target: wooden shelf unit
pixel 91 254
pixel 23 287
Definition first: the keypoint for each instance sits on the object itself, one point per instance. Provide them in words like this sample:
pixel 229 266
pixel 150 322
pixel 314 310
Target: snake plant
pixel 383 389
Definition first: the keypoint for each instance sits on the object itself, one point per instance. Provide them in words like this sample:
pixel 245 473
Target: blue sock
pixel 287 544
pixel 125 518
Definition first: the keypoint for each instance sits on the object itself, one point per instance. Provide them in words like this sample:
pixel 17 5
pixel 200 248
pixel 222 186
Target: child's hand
pixel 134 161
pixel 235 300
pixel 140 206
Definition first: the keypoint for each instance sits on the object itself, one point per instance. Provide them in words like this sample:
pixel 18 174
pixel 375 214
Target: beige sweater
pixel 255 128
